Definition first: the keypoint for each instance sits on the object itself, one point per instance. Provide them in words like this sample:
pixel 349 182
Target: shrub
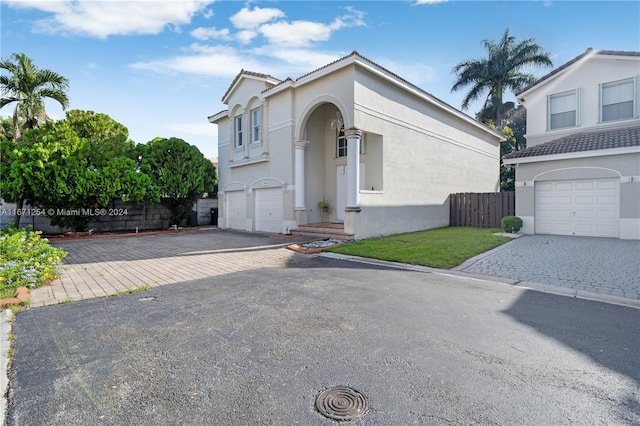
pixel 26 259
pixel 511 223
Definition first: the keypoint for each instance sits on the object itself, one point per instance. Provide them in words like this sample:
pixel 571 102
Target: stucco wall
pixel 624 167
pixel 428 154
pixel 586 77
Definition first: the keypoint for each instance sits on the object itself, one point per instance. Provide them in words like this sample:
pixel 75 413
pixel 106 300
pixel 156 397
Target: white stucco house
pixel 580 172
pixel 383 153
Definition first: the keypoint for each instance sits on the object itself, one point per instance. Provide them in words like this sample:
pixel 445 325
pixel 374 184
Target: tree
pixel 74 167
pixel 181 173
pixel 28 86
pixel 502 69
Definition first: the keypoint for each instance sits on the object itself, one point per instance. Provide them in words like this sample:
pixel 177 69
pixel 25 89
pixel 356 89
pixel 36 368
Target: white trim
pixel 574 92
pixel 266 180
pixel 573 155
pixel 222 114
pixel 281 125
pixel 239 186
pixel 385 75
pixel 246 161
pixel 577 168
pixel 313 104
pixel 243 76
pixel 407 125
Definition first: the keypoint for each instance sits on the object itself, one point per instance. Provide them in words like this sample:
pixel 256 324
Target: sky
pixel 161 67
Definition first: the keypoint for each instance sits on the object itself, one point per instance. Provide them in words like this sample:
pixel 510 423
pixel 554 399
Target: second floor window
pixel 617 100
pixel 237 129
pixel 255 125
pixel 563 110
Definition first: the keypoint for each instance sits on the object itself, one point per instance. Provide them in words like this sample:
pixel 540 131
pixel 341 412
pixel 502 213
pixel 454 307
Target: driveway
pixel 582 266
pixel 98 267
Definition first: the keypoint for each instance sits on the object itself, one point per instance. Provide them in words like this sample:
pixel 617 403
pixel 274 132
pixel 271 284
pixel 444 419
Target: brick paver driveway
pixel 98 267
pixel 605 266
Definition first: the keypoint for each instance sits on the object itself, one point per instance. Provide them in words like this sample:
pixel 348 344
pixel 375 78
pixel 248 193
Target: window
pixel 617 100
pixel 255 125
pixel 237 128
pixel 563 110
pixel 341 144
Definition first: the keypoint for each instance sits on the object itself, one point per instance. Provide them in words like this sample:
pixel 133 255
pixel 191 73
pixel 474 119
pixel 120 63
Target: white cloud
pixel 429 2
pixel 250 19
pixel 299 60
pixel 296 33
pixel 216 61
pixel 211 33
pixel 245 36
pixel 104 18
pixel 303 33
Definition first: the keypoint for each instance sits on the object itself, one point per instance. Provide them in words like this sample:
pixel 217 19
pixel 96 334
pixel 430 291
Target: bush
pixel 26 259
pixel 511 223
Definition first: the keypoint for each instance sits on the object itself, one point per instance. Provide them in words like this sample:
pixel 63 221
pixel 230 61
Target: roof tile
pixel 587 141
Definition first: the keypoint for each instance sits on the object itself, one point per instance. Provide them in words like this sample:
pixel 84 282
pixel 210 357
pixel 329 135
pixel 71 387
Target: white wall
pixel 586 76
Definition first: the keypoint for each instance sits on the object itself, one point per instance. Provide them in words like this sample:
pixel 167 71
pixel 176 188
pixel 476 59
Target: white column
pixel 299 183
pixel 353 136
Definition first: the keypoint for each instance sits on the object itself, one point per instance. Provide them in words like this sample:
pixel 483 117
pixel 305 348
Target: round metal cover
pixel 342 403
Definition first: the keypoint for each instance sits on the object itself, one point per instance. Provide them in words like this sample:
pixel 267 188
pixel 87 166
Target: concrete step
pixel 332 231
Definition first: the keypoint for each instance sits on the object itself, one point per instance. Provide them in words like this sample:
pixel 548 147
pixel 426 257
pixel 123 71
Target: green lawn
pixel 442 248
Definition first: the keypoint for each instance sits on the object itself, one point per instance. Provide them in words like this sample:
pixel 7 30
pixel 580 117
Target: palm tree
pixel 502 69
pixel 28 86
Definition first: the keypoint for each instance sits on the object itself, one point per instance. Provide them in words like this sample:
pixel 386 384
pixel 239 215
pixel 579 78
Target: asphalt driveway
pixel 257 346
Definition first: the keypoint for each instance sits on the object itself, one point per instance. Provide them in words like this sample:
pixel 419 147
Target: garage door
pixel 236 209
pixel 579 207
pixel 269 209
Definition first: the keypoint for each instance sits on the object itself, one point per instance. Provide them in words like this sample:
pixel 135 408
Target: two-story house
pixel 382 153
pixel 580 172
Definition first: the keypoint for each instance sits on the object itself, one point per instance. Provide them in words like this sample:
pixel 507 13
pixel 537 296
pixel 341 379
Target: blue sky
pixel 161 67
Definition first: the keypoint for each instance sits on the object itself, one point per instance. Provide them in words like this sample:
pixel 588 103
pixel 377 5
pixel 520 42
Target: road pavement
pixel 256 347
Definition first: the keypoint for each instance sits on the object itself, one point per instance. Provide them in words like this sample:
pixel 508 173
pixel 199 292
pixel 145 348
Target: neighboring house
pixel 580 172
pixel 384 154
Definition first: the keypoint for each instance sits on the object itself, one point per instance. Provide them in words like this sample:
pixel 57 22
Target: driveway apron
pixel 604 266
pixel 106 266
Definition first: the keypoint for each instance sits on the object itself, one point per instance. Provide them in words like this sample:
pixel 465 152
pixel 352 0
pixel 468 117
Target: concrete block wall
pixel 118 217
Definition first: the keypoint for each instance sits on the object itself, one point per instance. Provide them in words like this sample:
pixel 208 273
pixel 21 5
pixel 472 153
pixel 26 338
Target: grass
pixel 442 248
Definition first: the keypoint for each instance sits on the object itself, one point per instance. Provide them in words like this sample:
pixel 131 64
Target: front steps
pixel 324 230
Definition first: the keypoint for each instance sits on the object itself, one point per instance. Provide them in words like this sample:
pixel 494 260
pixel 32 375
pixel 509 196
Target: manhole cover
pixel 342 403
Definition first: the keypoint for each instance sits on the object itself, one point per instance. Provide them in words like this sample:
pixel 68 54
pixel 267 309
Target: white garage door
pixel 578 207
pixel 269 210
pixel 236 209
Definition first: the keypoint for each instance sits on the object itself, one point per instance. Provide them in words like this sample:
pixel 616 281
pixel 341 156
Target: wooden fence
pixel 481 210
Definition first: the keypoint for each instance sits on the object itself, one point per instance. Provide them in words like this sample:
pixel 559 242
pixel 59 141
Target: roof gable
pixel 574 63
pixel 243 74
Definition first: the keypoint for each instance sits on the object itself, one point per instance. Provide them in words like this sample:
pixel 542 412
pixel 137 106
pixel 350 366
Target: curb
pixel 543 288
pixel 5 332
pixel 22 296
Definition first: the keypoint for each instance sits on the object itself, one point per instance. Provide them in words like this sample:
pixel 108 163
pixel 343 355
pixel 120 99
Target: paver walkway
pixel 97 268
pixel 598 265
